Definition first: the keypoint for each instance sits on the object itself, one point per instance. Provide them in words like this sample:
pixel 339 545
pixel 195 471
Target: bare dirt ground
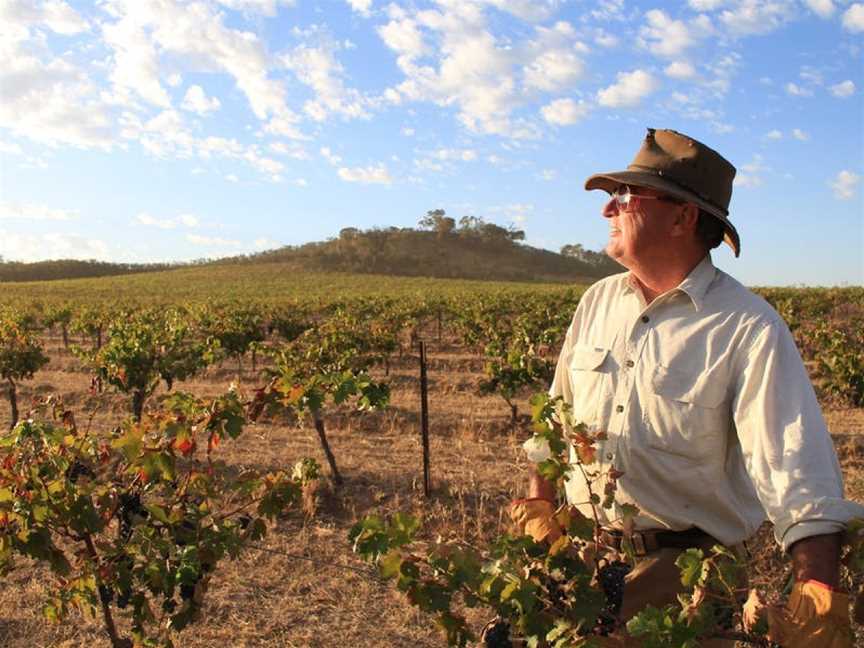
pixel 303 586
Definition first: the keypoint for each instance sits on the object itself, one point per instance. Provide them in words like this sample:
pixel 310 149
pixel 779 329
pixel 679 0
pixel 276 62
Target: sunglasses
pixel 623 195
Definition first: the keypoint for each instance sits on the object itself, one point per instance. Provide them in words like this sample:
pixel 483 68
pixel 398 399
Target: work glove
pixel 815 615
pixel 534 516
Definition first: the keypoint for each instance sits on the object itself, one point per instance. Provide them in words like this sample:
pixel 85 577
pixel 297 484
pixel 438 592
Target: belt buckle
pixel 638 541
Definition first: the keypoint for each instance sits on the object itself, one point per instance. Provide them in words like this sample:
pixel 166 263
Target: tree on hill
pixel 576 251
pixel 437 221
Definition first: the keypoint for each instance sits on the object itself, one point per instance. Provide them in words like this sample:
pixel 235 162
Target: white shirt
pixel 708 409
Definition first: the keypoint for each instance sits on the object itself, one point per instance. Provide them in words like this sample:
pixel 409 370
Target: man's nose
pixel 610 209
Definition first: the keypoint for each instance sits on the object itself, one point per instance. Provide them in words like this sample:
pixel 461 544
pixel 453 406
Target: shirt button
pixel 609 456
pixel 645 319
pixel 629 363
pixel 619 408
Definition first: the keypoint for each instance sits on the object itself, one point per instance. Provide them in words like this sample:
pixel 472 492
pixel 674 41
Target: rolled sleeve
pixel 787 450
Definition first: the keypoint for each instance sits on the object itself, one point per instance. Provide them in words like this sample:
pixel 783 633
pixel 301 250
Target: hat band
pixel 682 185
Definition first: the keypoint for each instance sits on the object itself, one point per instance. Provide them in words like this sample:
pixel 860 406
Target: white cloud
pixel 530 10
pixel 853 18
pixel 57 15
pixel 747 180
pixel 266 7
pixel 403 35
pixel 564 112
pixel 750 174
pixel 10 148
pixel 266 244
pixel 162 223
pixel 196 34
pixel 605 39
pixel 811 75
pixel 798 91
pixel 232 178
pixel 799 134
pixel 136 63
pixel 750 17
pixel 428 165
pixel 293 150
pixel 554 70
pixel 46 98
pixel 843 90
pixel 663 36
pixel 407 131
pixel 548 174
pixel 822 8
pixel 331 157
pixel 608 10
pixel 845 185
pixel 463 155
pixel 53 245
pixel 197 101
pixel 366 175
pixel 30 211
pixel 212 241
pixel 363 7
pixel 167 135
pixel 629 90
pixel 680 70
pixel 185 220
pixel 451 57
pixel 317 67
pixel 774 135
pixel 706 5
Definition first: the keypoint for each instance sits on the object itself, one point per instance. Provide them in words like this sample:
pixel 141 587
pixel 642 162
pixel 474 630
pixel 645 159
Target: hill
pixel 475 250
pixel 271 283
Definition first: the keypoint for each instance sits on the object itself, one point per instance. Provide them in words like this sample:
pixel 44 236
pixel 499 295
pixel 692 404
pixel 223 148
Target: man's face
pixel 640 231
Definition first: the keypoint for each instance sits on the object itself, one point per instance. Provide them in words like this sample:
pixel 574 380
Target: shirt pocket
pixel 684 413
pixel 588 374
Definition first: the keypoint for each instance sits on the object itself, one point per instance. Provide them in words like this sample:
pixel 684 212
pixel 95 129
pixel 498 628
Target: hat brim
pixel 608 182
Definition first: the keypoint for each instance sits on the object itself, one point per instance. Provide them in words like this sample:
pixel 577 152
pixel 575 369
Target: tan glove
pixel 814 615
pixel 535 517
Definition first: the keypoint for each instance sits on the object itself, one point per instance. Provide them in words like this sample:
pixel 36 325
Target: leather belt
pixel 649 541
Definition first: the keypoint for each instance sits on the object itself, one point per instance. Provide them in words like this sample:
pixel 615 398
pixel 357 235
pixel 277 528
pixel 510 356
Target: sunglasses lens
pixel 622 196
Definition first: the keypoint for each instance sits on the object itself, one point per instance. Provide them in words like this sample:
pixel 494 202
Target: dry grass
pixel 304 587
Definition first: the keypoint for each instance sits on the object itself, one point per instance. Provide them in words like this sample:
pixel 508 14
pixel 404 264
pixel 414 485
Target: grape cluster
pixel 77 469
pixel 124 594
pixel 105 594
pixel 724 617
pixel 496 634
pixel 187 590
pixel 611 578
pixel 129 506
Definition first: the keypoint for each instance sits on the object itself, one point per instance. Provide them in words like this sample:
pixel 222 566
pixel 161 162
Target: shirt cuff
pixel 808 528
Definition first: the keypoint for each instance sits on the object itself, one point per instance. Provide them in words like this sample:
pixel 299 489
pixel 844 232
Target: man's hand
pixel 817 558
pixel 816 614
pixel 535 517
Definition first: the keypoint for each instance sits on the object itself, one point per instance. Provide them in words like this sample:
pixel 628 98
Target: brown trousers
pixel 655 580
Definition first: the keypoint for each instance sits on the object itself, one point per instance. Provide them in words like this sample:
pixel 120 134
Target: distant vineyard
pixel 133 521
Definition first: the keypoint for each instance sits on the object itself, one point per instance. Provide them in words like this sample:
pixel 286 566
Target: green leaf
pixel 390 564
pixel 403 527
pixel 690 564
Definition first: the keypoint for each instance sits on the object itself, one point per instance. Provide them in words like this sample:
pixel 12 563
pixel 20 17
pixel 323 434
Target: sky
pixel 157 130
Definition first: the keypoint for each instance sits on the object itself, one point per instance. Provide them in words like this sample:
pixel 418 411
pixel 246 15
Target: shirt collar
pixel 695 284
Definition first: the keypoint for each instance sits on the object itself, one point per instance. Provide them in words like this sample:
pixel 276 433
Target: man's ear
pixel 685 220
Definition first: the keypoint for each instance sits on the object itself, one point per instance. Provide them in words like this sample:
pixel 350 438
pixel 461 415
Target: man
pixel 707 408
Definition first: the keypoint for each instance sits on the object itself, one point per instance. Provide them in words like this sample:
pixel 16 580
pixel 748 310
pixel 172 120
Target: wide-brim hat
pixel 682 168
